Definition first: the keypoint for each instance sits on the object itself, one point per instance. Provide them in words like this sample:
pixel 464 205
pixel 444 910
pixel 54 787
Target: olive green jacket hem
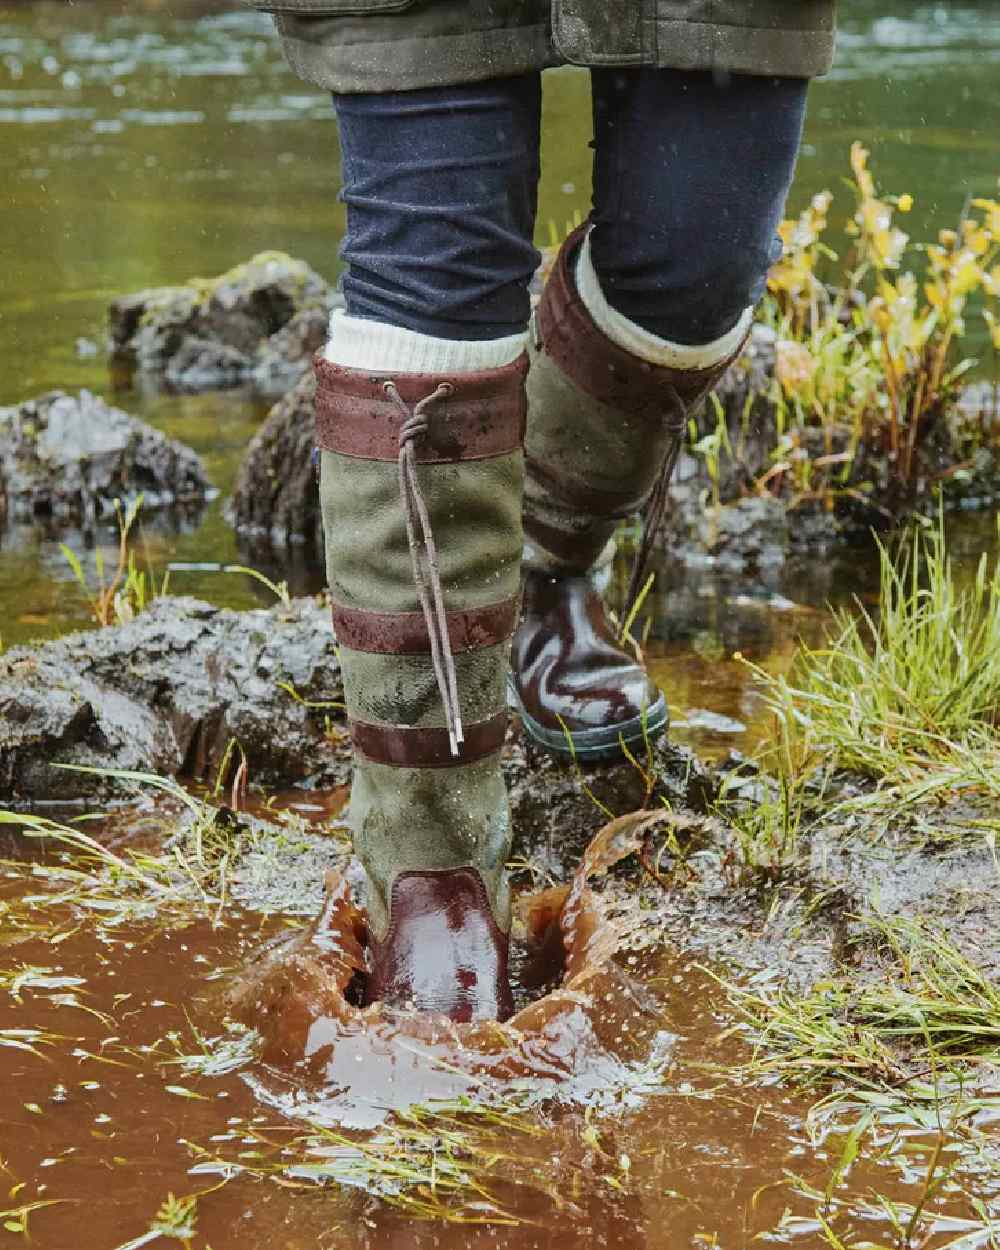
pixel 349 46
pixel 732 49
pixel 416 61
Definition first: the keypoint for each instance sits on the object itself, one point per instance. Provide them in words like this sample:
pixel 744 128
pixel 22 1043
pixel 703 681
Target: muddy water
pixel 103 1122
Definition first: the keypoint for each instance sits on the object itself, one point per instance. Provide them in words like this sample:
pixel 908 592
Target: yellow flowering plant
pixel 872 359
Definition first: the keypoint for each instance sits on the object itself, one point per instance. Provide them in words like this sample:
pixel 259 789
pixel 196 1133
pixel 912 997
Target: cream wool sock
pixel 356 343
pixel 642 343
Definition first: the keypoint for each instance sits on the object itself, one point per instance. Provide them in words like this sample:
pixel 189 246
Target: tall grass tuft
pixel 907 695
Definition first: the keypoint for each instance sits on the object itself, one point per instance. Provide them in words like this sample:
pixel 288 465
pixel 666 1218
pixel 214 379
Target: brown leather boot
pixel 421 484
pixel 578 689
pixel 604 431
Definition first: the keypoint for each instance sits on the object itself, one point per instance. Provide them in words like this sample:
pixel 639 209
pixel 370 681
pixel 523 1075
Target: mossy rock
pixel 256 325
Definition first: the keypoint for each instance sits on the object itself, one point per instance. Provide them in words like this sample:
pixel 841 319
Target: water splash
pixel 595 1037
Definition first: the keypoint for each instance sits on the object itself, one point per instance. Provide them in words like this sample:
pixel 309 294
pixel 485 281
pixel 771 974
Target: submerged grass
pixel 905 696
pixel 458 1162
pixel 186 874
pixel 907 1064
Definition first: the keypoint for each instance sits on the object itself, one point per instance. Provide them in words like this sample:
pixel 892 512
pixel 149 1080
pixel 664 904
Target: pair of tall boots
pixel 433 488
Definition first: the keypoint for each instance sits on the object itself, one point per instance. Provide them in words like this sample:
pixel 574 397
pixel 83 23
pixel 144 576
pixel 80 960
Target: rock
pixel 745 531
pixel 257 324
pixel 287 354
pixel 276 498
pixel 70 456
pixel 167 692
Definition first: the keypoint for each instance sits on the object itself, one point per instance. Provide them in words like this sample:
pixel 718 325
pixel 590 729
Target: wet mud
pixel 167 693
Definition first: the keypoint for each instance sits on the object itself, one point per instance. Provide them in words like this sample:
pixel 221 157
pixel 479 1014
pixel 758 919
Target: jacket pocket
pixel 596 32
pixel 331 8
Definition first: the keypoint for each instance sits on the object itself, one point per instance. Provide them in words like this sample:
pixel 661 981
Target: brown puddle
pixel 629 1129
pixel 595 1032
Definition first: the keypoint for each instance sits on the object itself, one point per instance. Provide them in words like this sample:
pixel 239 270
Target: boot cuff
pixel 643 343
pixel 481 416
pixel 607 372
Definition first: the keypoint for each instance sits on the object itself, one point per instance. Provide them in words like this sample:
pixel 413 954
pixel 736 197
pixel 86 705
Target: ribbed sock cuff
pixel 356 343
pixel 642 343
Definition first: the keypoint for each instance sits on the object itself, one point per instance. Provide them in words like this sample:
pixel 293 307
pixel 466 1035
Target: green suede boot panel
pixel 408 819
pixel 475 509
pixel 402 689
pixel 606 449
pixel 412 819
pixel 589 445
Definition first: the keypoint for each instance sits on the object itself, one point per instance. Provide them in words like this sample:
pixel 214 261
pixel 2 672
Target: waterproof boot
pixel 421 482
pixel 605 426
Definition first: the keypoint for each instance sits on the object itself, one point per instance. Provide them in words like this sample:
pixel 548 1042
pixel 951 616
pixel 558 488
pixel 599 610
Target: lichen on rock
pixel 256 325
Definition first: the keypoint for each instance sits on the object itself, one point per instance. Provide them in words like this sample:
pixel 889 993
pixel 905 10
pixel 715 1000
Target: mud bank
pixel 167 693
pixel 693 892
pixel 69 457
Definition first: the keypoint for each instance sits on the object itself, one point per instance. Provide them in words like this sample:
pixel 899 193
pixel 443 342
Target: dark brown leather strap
pixel 406 747
pixel 482 417
pixel 607 372
pixel 405 633
pixel 574 493
pixel 578 548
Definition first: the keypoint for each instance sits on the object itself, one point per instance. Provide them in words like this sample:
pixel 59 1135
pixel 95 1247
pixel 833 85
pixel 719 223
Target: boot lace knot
pixel 424 556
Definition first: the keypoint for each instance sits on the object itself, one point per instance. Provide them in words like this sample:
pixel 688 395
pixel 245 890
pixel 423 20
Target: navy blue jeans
pixel 691 172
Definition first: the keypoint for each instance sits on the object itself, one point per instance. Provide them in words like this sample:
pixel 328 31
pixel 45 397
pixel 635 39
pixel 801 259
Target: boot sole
pixel 591 745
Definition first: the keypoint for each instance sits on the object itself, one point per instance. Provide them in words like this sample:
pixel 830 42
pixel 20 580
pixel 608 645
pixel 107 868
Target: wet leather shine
pixel 567 665
pixel 443 952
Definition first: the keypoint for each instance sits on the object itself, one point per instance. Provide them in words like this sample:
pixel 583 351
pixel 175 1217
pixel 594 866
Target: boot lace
pixel 655 511
pixel 424 556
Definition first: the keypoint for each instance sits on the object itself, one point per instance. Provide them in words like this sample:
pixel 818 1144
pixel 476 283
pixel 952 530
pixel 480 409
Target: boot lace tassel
pixel 424 556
